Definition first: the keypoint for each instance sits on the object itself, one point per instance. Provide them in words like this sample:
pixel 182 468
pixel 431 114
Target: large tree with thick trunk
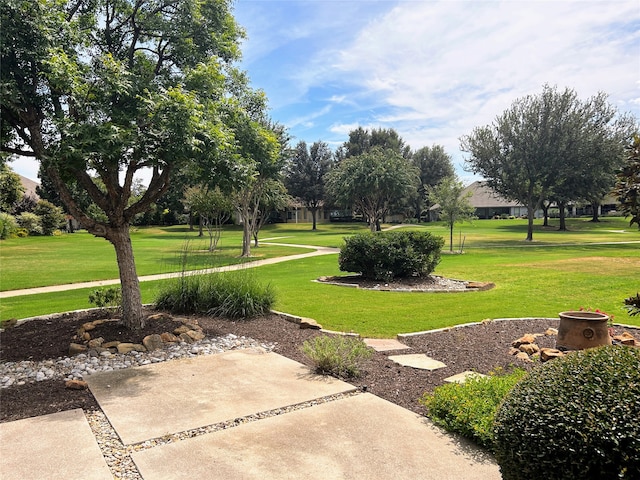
pixel 98 90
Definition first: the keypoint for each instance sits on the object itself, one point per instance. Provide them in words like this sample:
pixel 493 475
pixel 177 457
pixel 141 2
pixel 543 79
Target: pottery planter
pixel 580 330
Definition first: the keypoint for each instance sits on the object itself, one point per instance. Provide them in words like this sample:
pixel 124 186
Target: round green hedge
pixel 574 417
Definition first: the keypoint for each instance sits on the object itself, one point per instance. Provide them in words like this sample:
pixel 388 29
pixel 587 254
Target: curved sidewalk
pixel 162 276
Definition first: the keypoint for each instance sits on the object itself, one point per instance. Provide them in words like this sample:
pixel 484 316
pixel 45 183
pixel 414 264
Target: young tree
pixel 627 186
pixel 372 183
pixel 102 89
pixel 274 198
pixel 214 209
pixel 454 206
pixel 305 172
pixel 433 165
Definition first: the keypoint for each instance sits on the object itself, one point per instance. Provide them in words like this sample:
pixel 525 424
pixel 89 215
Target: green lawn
pixel 587 266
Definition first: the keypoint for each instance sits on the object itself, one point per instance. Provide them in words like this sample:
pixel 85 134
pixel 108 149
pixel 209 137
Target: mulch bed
pixel 481 348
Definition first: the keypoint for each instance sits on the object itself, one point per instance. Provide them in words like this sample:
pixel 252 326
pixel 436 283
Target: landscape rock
pixel 551 331
pixel 181 329
pixel 195 335
pixel 524 357
pixel 76 385
pixel 547 354
pixel 529 348
pixel 625 338
pixel 113 344
pixel 309 323
pixel 129 347
pixel 152 342
pixel 76 348
pixel 185 338
pixel 528 338
pixel 513 351
pixel 168 337
pixel 158 316
pixel 96 342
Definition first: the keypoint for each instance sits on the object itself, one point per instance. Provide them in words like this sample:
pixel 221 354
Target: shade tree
pixel 304 175
pixel 101 89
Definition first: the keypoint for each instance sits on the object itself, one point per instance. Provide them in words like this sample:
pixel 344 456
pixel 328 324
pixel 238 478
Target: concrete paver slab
pixel 385 344
pixel 357 437
pixel 59 445
pixel 417 360
pixel 462 377
pixel 155 400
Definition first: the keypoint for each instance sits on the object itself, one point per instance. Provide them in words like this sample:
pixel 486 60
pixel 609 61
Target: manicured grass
pixel 80 257
pixel 560 271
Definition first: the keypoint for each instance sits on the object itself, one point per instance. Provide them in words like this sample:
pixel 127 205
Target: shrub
pixel 8 225
pixel 51 217
pixel 573 417
pixel 385 255
pixel 340 356
pixel 106 297
pixel 31 222
pixel 231 295
pixel 469 408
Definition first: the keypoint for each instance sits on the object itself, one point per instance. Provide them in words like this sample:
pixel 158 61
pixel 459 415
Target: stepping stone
pixel 417 360
pixel 385 344
pixel 462 377
pixel 58 445
pixel 359 437
pixel 170 397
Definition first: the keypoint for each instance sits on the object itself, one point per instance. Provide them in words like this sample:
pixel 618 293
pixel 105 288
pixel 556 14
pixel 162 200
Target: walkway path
pixel 162 276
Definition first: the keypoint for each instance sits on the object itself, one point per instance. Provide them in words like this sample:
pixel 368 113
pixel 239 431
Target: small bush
pixel 469 408
pixel 31 222
pixel 385 255
pixel 231 295
pixel 8 225
pixel 51 217
pixel 573 417
pixel 106 297
pixel 339 355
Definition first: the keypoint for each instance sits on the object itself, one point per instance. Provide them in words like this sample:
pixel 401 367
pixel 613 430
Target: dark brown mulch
pixel 480 348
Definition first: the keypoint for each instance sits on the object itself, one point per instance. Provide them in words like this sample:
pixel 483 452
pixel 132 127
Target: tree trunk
pixel 313 217
pixel 246 240
pixel 563 217
pixel 132 316
pixel 545 211
pixel 530 214
pixel 451 237
pixel 594 215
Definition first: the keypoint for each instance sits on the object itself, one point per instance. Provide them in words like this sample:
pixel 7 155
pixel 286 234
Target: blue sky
pixel 432 70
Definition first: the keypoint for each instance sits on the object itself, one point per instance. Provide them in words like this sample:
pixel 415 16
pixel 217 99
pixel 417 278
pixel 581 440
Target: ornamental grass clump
pixel 339 356
pixel 573 417
pixel 231 295
pixel 469 408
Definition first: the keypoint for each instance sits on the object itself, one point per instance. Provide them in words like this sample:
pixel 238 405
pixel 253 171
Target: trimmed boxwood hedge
pixel 385 255
pixel 574 417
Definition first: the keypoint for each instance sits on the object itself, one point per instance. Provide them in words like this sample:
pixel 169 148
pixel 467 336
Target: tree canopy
pixel 628 183
pixel 305 172
pixel 372 183
pixel 96 89
pixel 433 164
pixel 551 145
pixel 453 206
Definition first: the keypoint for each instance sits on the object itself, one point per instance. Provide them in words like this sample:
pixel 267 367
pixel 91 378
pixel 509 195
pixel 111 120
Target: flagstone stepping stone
pixel 462 377
pixel 417 360
pixel 385 344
